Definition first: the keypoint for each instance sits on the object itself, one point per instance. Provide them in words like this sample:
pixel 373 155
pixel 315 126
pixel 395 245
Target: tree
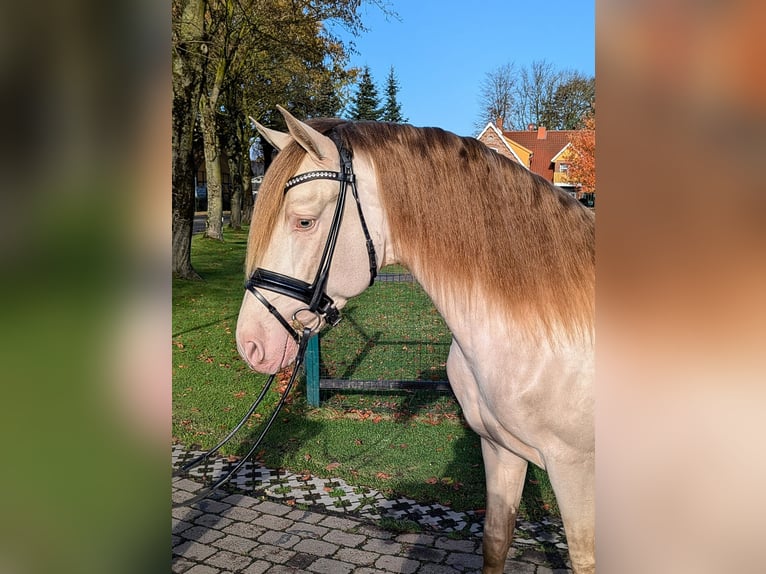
pixel 582 167
pixel 239 58
pixel 188 53
pixel 366 104
pixel 538 95
pixel 572 101
pixel 392 110
pixel 534 90
pixel 497 95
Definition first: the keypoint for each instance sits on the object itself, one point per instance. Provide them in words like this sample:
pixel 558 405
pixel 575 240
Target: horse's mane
pixel 466 221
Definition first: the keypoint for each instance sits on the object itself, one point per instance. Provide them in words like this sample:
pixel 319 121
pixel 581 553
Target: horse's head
pixel 295 282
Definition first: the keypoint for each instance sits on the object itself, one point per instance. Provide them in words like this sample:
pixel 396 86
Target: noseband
pixel 311 294
pixel 314 294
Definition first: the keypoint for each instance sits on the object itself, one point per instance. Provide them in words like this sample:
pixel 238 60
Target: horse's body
pixel 508 261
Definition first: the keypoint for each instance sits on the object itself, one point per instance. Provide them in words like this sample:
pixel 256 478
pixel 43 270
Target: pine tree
pixel 392 110
pixel 366 104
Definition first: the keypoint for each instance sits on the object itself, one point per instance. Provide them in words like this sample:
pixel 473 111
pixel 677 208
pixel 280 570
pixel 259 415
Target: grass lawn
pixel 411 444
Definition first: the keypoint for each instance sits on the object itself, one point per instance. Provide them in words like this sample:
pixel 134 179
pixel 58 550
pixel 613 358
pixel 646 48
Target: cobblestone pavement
pixel 278 523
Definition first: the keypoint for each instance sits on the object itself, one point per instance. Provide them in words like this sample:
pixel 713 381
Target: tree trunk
pixel 247 193
pixel 188 53
pixel 214 226
pixel 235 220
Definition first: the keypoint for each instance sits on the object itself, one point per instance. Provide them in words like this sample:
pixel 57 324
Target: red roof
pixel 544 145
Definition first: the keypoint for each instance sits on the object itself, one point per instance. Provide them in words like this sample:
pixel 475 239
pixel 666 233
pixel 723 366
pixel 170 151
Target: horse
pixel 507 258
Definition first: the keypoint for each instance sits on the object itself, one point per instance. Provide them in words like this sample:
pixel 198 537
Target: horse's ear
pixel 278 139
pixel 318 146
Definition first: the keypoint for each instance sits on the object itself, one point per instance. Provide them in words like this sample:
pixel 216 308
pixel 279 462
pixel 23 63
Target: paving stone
pixel 245 530
pixel 257 567
pixel 546 570
pixel 271 522
pixel 181 496
pixel 330 566
pixel 316 547
pixel 397 564
pixel 212 506
pixel 356 556
pixel 272 508
pixel 272 553
pixel 374 531
pixel 241 500
pixel 425 553
pixel 202 535
pixel 532 555
pixel 278 538
pixel 437 569
pixel 461 560
pixel 180 525
pixel 202 569
pixel 516 567
pixel 235 544
pixel 241 514
pixel 307 530
pixel 180 565
pixel 416 538
pixel 305 516
pixel 455 545
pixel 283 569
pixel 186 513
pixel 194 550
pixel 229 560
pixel 382 546
pixel 338 523
pixel 344 538
pixel 300 560
pixel 212 521
pixel 187 485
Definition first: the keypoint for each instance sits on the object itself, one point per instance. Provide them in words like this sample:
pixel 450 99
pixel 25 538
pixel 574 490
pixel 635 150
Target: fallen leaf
pixel 357 442
pixel 432 480
pixel 332 466
pixel 383 476
pixel 307 456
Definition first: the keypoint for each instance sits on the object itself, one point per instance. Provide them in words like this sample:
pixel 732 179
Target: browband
pixel 312 175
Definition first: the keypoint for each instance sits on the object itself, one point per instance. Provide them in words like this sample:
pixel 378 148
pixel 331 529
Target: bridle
pixel 313 295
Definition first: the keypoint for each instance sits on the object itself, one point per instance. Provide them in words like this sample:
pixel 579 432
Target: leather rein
pixel 312 294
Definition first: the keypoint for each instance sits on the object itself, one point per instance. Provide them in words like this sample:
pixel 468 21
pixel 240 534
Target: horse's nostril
pixel 253 353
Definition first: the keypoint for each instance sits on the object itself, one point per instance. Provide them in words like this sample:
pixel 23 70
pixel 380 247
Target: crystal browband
pixel 312 175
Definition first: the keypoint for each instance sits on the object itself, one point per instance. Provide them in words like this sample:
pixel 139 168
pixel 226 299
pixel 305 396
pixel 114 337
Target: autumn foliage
pixel 582 167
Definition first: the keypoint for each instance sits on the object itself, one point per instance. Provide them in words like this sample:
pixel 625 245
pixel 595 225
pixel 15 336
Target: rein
pixel 311 294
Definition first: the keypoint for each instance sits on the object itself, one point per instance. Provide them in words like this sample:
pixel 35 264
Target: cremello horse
pixel 507 258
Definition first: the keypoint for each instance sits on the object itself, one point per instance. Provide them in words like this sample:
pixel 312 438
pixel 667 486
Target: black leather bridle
pixel 313 295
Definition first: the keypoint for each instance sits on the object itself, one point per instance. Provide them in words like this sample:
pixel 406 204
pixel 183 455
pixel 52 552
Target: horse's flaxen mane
pixel 467 221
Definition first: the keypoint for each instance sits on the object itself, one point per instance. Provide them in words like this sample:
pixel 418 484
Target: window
pixel 563 167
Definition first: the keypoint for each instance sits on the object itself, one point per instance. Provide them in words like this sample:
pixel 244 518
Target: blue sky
pixel 441 50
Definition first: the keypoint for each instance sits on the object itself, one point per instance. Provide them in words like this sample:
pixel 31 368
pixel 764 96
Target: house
pixel 544 152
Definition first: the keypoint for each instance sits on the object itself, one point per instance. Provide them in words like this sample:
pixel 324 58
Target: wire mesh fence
pixel 391 338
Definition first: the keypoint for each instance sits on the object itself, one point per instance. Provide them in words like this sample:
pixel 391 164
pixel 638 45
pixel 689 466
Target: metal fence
pixel 391 338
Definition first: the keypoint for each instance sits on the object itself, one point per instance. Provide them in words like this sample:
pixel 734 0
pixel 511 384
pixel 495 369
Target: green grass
pixel 410 444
